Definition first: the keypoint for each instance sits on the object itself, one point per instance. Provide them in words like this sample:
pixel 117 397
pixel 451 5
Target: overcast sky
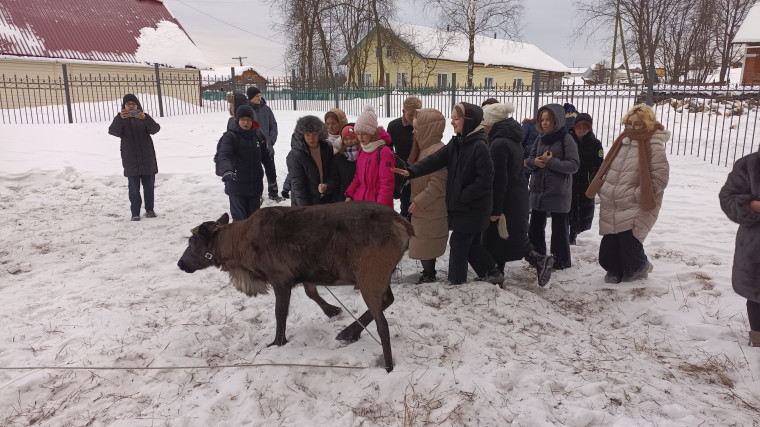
pixel 224 29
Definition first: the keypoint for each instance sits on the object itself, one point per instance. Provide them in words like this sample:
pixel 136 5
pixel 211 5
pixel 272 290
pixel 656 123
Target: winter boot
pixel 611 277
pixel 754 338
pixel 426 278
pixel 542 264
pixel 493 276
pixel 642 273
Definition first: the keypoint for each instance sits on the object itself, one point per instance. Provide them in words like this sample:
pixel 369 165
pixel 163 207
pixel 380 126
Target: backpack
pixel 400 179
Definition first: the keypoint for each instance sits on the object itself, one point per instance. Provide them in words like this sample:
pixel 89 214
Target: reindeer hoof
pixel 349 335
pixel 388 369
pixel 278 342
pixel 332 311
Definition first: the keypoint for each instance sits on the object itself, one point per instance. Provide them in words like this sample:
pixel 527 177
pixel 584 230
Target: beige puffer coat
pixel 431 229
pixel 620 209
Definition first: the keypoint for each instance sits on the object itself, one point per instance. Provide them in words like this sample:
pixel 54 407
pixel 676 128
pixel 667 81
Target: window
pixel 489 83
pixel 402 78
pixel 443 80
pixel 367 79
pixel 388 51
pixel 250 77
pixel 377 51
pixel 517 84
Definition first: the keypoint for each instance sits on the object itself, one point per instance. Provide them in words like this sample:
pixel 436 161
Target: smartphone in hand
pixel 134 113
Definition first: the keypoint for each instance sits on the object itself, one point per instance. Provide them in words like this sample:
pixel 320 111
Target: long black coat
pixel 138 156
pixel 469 183
pixel 742 186
pixel 304 174
pixel 244 152
pixel 591 155
pixel 401 138
pixel 341 174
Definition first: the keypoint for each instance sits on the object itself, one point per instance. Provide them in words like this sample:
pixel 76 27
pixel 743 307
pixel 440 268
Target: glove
pixel 228 176
pixel 285 194
pixel 273 190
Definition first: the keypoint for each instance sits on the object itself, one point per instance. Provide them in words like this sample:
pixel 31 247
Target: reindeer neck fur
pixel 237 238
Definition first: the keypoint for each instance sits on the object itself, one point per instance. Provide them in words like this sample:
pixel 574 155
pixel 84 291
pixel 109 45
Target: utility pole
pixel 240 58
pixel 614 44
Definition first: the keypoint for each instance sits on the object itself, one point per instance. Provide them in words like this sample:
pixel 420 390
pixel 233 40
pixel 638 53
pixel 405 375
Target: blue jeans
pixel 135 202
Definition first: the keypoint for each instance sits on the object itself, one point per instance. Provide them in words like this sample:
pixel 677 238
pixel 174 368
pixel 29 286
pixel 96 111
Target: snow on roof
pixel 749 32
pixel 167 44
pixel 95 30
pixel 488 51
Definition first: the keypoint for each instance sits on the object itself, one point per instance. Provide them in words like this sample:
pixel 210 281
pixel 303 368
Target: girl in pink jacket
pixel 374 180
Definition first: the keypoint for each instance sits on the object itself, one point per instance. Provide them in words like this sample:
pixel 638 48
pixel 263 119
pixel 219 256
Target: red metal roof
pixel 97 30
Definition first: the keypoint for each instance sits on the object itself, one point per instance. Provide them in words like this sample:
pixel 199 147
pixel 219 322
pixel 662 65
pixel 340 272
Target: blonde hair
pixel 645 113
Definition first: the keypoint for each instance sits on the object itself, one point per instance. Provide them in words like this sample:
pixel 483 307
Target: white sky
pixel 546 23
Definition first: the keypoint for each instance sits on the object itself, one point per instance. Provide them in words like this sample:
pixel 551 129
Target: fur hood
pixel 310 124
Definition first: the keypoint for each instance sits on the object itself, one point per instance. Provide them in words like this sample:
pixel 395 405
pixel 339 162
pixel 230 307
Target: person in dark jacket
pixel 591 155
pixel 530 133
pixel 570 114
pixel 510 194
pixel 138 156
pixel 309 162
pixel 268 127
pixel 400 130
pixel 241 154
pixel 740 200
pixel 343 166
pixel 554 160
pixel 469 197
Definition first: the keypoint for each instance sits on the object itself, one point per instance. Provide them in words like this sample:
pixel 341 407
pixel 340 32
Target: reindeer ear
pixel 194 230
pixel 224 219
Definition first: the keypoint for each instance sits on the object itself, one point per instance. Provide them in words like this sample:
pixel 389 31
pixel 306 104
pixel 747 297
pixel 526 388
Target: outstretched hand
pixel 755 206
pixel 400 171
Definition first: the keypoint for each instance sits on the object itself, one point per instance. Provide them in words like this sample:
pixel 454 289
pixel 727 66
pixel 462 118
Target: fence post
pixel 453 90
pixel 158 92
pixel 293 89
pixel 68 94
pixel 335 89
pixel 536 85
pixel 387 94
pixel 650 86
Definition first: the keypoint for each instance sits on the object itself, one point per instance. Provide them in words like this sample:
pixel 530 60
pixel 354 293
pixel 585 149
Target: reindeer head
pixel 201 248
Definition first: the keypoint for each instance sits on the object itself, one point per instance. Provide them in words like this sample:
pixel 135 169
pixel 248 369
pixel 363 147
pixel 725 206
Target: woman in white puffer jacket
pixel 631 183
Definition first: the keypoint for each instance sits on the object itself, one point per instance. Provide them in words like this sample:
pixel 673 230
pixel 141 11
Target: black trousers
pixel 621 253
pixel 464 248
pixel 753 313
pixel 560 242
pixel 241 207
pixel 135 202
pixel 405 199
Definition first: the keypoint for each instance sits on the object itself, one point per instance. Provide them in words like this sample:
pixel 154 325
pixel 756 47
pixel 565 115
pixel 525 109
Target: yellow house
pixel 421 56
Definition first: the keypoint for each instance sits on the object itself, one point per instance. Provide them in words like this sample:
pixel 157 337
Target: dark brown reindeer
pixel 356 243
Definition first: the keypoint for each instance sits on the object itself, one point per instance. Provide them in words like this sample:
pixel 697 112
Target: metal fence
pixel 717 123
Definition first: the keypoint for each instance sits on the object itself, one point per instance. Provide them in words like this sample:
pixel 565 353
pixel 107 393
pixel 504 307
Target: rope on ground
pixel 352 315
pixel 158 368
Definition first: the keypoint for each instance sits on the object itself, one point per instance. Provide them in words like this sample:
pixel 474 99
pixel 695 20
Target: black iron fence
pixel 717 123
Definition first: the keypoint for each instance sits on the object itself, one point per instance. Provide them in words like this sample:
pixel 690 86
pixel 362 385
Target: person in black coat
pixel 343 166
pixel 138 156
pixel 309 162
pixel 510 193
pixel 400 130
pixel 268 127
pixel 241 154
pixel 469 197
pixel 591 155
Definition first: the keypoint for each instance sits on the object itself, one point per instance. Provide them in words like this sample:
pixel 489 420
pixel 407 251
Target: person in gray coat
pixel 268 126
pixel 740 200
pixel 553 161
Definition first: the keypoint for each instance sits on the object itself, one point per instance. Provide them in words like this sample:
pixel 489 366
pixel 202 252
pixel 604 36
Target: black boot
pixel 543 265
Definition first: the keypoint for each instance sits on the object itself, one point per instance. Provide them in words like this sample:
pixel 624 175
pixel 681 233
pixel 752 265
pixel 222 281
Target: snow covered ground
pixel 100 327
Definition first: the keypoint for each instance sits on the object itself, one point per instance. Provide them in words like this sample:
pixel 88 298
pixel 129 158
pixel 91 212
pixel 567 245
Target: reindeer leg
pixel 353 331
pixel 281 306
pixel 382 329
pixel 311 292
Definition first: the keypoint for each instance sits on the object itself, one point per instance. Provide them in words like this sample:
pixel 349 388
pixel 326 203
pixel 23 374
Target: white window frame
pixel 446 77
pixel 400 75
pixel 367 79
pixel 388 51
pixel 486 84
pixel 518 84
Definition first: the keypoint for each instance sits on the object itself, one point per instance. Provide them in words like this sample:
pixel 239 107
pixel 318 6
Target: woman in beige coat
pixel 428 195
pixel 631 183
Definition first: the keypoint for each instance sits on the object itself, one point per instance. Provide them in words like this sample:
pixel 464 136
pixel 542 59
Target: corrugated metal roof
pixel 98 30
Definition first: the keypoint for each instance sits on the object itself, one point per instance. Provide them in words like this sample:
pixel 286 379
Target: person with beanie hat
pixel 242 151
pixel 554 160
pixel 510 194
pixel 469 198
pixel 343 167
pixel 335 119
pixel 138 156
pixel 400 131
pixel 591 155
pixel 570 114
pixel 309 162
pixel 373 180
pixel 268 127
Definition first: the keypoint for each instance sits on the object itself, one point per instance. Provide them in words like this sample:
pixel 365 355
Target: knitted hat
pixel 583 117
pixel 244 111
pixel 367 121
pixel 129 97
pixel 252 91
pixel 238 100
pixel 493 113
pixel 569 108
pixel 311 124
pixel 347 130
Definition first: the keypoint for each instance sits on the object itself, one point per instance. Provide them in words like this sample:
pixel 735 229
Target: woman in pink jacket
pixel 374 180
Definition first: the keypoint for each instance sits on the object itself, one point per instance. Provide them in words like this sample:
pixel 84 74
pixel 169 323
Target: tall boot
pixel 754 338
pixel 542 264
